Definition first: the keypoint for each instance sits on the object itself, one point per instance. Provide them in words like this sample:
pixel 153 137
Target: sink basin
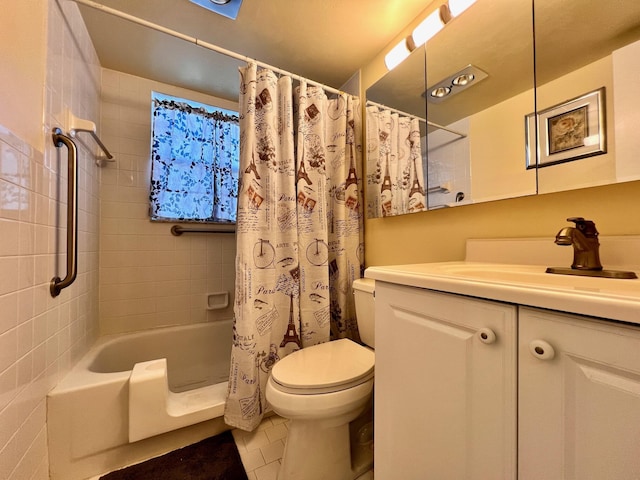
pixel 522 284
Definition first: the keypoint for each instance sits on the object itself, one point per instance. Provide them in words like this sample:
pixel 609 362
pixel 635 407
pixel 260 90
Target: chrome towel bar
pixel 78 125
pixel 101 159
pixel 59 139
pixel 438 189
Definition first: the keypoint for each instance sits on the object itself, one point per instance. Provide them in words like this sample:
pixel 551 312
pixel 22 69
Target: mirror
pixel 472 138
pixel 587 50
pixel 392 115
pixel 487 164
pixel 587 60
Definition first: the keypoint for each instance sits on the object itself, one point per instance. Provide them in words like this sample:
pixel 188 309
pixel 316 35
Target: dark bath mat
pixel 214 458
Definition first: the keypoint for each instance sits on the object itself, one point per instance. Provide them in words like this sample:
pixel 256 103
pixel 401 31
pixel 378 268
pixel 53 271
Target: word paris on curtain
pixel 194 151
pixel 298 232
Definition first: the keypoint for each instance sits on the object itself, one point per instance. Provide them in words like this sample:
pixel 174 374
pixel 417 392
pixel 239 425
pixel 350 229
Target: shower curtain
pixel 395 178
pixel 299 230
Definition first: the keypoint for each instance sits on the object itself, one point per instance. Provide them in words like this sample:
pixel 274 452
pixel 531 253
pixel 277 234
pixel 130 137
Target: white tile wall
pixel 149 278
pixel 449 164
pixel 40 337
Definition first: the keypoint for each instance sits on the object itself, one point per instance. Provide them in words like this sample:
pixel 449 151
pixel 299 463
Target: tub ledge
pixel 154 409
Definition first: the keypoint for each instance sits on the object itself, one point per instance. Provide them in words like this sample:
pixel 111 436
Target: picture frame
pixel 566 132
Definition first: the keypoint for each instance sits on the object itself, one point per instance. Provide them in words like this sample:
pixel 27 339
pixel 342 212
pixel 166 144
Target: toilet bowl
pixel 321 389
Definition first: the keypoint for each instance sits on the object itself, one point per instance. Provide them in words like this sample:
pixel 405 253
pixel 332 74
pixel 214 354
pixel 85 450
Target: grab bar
pixel 177 230
pixel 72 213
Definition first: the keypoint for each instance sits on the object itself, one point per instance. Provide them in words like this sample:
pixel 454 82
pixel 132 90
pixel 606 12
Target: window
pixel 195 152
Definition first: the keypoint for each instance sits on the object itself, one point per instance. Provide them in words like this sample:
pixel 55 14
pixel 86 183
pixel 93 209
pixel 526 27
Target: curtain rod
pixel 198 42
pixel 395 110
pixel 431 124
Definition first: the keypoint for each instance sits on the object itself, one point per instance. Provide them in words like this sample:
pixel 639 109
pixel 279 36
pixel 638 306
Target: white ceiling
pixel 323 40
pixel 329 40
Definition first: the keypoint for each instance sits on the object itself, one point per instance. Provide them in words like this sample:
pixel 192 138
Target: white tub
pixel 135 386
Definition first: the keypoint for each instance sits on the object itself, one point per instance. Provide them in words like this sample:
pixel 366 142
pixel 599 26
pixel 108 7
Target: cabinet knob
pixel 486 335
pixel 542 350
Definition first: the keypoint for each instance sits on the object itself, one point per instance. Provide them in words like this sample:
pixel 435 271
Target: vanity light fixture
pixel 429 27
pixel 398 53
pixel 226 8
pixel 456 7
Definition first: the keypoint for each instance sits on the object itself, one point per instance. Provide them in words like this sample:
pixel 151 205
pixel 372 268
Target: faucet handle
pixel 587 227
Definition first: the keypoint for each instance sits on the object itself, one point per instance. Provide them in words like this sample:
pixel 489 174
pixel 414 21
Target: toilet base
pixel 313 452
pixel 320 450
pixel 361 430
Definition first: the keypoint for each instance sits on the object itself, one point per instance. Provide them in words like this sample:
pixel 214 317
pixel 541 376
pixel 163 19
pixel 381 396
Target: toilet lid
pixel 326 367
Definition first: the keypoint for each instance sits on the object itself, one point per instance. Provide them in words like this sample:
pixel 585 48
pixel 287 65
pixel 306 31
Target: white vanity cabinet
pixel 445 392
pixel 579 397
pixel 468 388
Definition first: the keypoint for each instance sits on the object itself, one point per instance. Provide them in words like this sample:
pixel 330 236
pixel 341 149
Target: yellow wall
pixel 495 135
pixel 440 235
pixel 22 68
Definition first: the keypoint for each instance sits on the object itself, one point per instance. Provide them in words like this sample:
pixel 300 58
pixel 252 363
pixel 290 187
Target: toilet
pixel 321 389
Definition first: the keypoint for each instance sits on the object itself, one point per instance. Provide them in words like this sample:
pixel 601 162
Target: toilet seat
pixel 324 368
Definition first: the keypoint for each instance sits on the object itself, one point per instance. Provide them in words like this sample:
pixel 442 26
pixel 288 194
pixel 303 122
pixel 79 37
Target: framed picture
pixel 566 132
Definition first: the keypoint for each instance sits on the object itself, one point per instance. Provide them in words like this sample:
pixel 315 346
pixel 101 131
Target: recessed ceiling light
pixel 226 8
pixel 440 92
pixel 462 80
pixel 454 84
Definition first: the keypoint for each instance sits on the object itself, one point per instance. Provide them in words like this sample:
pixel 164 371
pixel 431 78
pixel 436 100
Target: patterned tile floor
pixel 261 450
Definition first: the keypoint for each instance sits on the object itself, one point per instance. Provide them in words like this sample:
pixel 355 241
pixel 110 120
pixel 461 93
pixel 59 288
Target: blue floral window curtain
pixel 195 153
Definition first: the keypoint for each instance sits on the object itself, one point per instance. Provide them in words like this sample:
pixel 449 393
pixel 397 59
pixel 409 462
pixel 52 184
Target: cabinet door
pixel 579 398
pixel 445 398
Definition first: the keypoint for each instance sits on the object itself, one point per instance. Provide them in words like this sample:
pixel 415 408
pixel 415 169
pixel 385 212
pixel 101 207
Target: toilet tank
pixel 364 293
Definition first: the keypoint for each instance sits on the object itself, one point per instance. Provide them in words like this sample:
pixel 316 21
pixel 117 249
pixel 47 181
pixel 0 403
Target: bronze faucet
pixel 584 238
pixel 586 251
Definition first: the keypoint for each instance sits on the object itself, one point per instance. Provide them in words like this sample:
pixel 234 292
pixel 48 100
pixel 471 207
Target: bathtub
pixel 123 400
